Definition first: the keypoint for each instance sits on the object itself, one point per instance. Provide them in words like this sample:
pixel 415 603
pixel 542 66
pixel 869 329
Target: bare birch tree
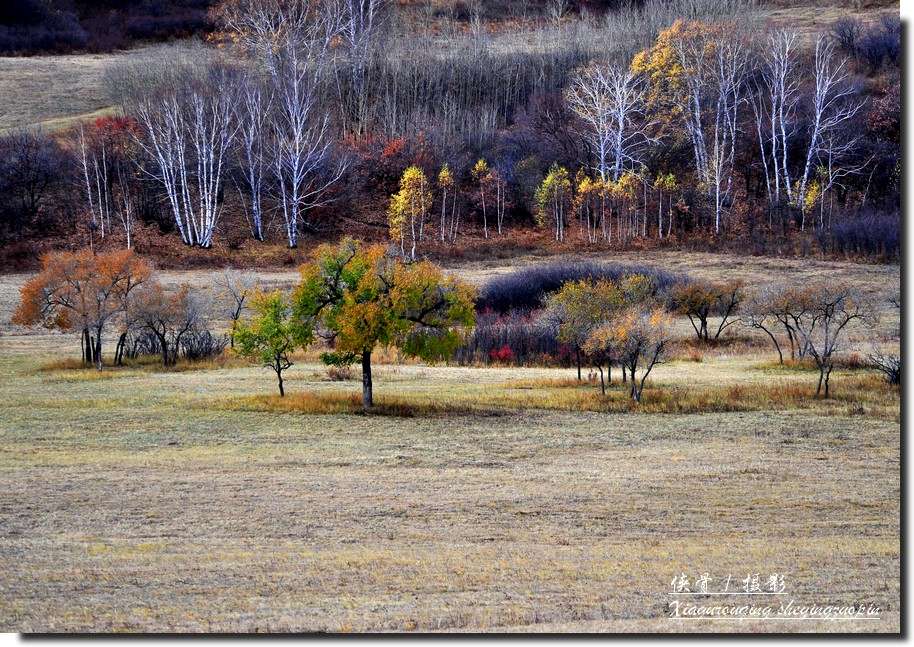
pixel 253 113
pixel 187 127
pixel 834 103
pixel 93 158
pixel 302 142
pixel 610 100
pixel 713 73
pixel 774 101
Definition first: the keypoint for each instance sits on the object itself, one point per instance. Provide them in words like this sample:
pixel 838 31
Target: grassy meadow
pixel 475 499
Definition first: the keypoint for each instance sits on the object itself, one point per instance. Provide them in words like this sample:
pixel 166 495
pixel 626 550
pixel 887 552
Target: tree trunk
pixel 821 379
pixel 282 391
pixel 86 343
pixel 577 359
pixel 119 350
pixel 98 349
pixel 367 398
pixel 641 385
pixel 827 376
pixel 777 346
pixel 660 216
pixel 602 383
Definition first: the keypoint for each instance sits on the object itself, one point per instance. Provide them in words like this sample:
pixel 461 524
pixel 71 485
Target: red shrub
pixel 503 355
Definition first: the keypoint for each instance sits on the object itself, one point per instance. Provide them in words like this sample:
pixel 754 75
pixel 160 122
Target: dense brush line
pixel 524 289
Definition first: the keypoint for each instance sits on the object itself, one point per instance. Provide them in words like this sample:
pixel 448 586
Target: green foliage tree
pixel 360 297
pixel 553 199
pixel 273 333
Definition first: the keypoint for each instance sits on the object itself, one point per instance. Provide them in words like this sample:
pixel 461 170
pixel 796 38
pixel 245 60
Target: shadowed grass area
pixel 853 394
pixel 351 403
pixel 73 369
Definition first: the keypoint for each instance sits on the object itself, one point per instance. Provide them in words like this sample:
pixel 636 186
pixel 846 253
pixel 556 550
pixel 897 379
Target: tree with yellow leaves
pixel 624 192
pixel 665 182
pixel 591 202
pixel 408 208
pixel 577 308
pixel 445 185
pixel 482 175
pixel 640 338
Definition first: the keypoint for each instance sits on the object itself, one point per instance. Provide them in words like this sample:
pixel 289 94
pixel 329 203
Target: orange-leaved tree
pixel 82 292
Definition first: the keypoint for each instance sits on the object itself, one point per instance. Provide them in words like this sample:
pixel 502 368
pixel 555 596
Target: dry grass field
pixel 193 500
pixel 54 91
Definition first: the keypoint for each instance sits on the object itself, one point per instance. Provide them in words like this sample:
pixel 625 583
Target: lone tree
pixel 83 292
pixel 830 309
pixel 701 301
pixel 360 297
pixel 273 333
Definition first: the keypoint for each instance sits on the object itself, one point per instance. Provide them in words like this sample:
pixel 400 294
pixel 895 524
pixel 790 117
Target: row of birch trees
pixel 276 124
